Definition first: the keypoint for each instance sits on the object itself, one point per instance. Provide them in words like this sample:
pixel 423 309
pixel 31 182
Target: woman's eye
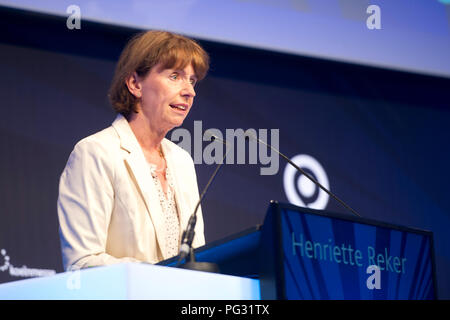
pixel 174 76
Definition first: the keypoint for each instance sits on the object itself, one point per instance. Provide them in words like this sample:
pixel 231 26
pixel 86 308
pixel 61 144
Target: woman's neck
pixel 148 137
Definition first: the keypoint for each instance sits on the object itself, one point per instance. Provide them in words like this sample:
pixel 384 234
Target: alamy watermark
pixel 74 19
pixel 251 146
pixel 242 146
pixel 374 20
pixel 73 280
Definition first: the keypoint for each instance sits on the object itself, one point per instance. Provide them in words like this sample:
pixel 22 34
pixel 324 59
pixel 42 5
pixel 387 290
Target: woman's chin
pixel 176 124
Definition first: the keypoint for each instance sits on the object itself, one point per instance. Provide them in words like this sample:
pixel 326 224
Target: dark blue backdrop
pixel 380 135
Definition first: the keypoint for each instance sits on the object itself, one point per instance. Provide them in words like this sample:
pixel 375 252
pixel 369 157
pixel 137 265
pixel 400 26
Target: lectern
pixel 301 253
pixel 297 253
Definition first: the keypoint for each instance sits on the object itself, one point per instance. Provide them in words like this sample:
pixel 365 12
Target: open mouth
pixel 179 107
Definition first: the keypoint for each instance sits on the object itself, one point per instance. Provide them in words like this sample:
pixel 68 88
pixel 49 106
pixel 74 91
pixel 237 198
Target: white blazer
pixel 108 207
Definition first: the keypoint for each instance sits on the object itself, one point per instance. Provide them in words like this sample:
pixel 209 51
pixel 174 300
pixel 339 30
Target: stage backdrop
pixel 377 138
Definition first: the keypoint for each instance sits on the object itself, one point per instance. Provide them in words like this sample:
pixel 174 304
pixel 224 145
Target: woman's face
pixel 167 96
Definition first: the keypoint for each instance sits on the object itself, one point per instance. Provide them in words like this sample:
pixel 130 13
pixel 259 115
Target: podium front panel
pixel 328 256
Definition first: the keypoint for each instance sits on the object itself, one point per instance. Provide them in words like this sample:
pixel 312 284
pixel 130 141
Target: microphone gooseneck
pixel 189 233
pixel 186 250
pixel 306 175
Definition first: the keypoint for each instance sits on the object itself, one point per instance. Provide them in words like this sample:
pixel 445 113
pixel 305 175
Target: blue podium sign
pixel 308 254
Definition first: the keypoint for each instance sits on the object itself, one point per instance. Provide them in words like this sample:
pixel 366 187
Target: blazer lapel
pixel 140 170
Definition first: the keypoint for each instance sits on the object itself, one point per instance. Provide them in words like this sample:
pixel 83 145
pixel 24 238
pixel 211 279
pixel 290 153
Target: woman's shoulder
pixel 103 141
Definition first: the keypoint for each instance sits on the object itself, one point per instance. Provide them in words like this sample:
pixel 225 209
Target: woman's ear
pixel 134 85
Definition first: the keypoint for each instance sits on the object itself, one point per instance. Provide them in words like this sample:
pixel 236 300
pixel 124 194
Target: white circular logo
pixel 299 189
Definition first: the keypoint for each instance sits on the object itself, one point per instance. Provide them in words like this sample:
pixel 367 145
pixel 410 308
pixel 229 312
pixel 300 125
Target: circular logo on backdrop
pixel 299 189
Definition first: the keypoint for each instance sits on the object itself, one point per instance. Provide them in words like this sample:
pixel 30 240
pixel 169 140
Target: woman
pixel 126 192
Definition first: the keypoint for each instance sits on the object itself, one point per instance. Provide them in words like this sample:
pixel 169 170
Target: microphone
pixel 186 250
pixel 305 173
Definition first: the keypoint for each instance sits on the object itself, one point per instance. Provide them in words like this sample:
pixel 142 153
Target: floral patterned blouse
pixel 170 211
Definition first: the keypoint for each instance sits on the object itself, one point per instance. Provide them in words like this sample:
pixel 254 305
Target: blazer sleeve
pixel 85 204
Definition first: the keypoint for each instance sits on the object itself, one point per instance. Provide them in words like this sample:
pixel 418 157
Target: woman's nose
pixel 188 89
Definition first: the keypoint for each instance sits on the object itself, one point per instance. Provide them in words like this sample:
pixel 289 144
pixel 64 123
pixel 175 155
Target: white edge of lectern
pixel 133 281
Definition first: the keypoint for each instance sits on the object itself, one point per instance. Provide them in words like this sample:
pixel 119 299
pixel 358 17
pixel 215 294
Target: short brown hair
pixel 144 51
